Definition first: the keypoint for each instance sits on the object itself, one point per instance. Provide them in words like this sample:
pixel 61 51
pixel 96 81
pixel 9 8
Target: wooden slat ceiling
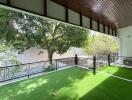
pixel 115 13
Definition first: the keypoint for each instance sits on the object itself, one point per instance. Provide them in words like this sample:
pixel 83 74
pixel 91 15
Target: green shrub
pixel 51 67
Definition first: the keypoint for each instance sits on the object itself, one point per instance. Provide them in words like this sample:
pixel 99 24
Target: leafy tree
pixel 52 36
pixel 28 31
pixel 7 30
pixel 100 44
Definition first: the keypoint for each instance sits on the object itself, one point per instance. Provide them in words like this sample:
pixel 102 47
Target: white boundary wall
pixel 32 55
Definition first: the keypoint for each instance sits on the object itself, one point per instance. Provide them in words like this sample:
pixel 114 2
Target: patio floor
pixel 72 84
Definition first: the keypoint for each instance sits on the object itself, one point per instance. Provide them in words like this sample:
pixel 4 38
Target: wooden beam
pixel 66 14
pixel 45 7
pixel 8 2
pixel 103 28
pixel 81 23
pixel 98 26
pixel 108 29
pixel 115 32
pixel 91 23
pixel 112 32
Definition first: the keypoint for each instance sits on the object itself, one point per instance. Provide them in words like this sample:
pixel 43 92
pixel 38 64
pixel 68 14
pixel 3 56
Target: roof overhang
pixel 70 11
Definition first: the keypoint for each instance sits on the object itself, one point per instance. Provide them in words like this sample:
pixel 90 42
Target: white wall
pixel 125 36
pixel 32 55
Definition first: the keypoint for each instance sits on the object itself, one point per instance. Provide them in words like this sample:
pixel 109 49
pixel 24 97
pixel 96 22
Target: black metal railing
pixel 26 70
pixel 121 61
pixel 86 62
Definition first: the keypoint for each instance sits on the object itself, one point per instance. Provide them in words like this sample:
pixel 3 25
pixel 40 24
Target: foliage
pixel 7 30
pixel 51 67
pixel 52 36
pixel 7 56
pixel 99 44
pixel 8 33
pixel 28 31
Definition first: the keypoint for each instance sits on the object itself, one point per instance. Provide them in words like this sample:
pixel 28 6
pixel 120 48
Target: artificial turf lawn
pixel 118 71
pixel 69 84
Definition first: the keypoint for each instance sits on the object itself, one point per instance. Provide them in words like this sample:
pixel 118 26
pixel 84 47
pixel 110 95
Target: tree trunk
pixel 50 57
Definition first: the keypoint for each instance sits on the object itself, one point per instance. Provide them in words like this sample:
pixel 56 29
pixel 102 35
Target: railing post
pixel 94 65
pixel 6 73
pixel 76 59
pixel 28 71
pixel 109 60
pixel 56 64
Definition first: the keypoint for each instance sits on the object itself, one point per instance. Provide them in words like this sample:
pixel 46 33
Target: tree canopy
pixel 100 44
pixel 23 31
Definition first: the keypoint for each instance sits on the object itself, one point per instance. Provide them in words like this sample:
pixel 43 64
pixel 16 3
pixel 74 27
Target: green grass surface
pixel 71 84
pixel 118 71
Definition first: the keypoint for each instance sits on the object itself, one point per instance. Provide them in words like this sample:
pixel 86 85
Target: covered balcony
pixel 107 77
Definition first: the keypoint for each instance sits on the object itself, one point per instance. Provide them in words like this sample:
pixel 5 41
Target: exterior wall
pixel 32 55
pixel 125 37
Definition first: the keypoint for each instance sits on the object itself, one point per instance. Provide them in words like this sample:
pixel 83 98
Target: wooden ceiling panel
pixel 115 13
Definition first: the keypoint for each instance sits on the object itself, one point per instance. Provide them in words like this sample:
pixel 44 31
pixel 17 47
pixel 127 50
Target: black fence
pixel 123 61
pixel 26 70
